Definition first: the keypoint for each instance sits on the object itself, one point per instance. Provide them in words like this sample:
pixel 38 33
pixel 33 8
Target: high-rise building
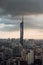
pixel 21 32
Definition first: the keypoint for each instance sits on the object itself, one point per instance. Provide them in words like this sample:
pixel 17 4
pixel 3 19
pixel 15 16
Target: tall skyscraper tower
pixel 21 32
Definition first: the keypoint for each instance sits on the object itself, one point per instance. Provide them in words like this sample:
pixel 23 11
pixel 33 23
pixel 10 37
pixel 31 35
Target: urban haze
pixel 21 32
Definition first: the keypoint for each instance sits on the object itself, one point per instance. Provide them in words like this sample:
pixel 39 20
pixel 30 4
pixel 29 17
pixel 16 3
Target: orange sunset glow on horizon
pixel 28 34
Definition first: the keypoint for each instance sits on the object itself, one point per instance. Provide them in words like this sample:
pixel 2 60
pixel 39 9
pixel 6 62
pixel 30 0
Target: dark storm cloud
pixel 10 8
pixel 16 7
pixel 2 11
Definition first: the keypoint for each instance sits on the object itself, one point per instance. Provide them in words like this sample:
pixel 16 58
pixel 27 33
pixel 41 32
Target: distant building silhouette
pixel 21 32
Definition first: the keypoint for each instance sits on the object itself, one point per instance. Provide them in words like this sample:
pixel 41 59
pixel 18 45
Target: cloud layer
pixel 18 7
pixel 11 11
pixel 8 23
pixel 33 22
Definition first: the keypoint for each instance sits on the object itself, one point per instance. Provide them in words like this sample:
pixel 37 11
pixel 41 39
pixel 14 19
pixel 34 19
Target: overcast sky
pixel 21 6
pixel 11 12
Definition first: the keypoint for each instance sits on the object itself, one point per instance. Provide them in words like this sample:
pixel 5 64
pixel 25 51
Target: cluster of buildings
pixel 19 55
pixel 21 52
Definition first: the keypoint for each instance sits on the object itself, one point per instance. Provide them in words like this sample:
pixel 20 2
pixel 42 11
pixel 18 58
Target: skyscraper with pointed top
pixel 21 32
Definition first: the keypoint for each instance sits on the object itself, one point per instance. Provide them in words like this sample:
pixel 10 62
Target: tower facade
pixel 21 32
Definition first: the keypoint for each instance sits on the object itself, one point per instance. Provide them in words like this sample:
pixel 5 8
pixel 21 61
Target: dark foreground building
pixel 23 63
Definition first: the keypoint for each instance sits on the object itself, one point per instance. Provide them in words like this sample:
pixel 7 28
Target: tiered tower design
pixel 21 31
